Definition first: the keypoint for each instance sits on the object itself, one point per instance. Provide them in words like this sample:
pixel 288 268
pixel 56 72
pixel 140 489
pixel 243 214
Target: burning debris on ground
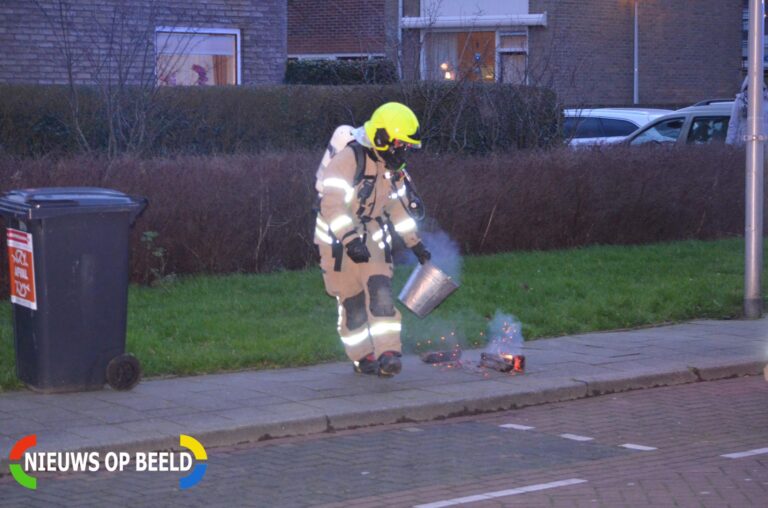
pixel 446 356
pixel 447 350
pixel 503 352
pixel 504 349
pixel 503 363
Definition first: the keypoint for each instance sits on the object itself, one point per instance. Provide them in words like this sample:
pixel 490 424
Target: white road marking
pixel 576 437
pixel 640 447
pixel 516 426
pixel 748 453
pixel 501 493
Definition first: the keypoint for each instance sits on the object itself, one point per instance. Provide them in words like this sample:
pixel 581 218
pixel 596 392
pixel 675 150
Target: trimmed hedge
pixel 253 213
pixel 470 117
pixel 340 72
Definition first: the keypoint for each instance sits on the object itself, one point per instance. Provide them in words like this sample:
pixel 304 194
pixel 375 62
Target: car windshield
pixel 665 131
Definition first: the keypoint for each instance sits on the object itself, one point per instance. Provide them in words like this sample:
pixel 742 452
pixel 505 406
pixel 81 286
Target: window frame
pixel 205 31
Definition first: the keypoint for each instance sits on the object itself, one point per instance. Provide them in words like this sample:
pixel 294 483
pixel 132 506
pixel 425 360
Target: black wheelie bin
pixel 68 253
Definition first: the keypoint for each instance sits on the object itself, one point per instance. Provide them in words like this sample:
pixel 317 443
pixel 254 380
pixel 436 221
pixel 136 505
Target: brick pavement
pixel 691 425
pixel 413 464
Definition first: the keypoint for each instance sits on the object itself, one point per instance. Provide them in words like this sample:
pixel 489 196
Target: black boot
pixel 367 365
pixel 389 363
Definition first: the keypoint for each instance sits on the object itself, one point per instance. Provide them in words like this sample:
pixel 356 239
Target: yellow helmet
pixel 393 128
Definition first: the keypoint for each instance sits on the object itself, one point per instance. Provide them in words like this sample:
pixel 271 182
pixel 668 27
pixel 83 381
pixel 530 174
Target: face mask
pixel 396 155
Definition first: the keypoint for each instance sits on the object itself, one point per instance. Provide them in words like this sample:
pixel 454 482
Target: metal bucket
pixel 426 288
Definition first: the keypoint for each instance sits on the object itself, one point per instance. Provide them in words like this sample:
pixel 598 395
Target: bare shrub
pixel 253 213
pixel 472 117
pixel 567 198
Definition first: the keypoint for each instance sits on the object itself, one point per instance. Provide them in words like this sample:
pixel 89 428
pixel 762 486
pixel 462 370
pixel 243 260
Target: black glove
pixel 421 252
pixel 357 251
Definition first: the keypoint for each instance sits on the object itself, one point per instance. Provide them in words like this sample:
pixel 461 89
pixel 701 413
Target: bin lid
pixel 46 202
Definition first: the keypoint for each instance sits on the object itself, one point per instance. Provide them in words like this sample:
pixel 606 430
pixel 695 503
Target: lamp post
pixel 636 66
pixel 753 223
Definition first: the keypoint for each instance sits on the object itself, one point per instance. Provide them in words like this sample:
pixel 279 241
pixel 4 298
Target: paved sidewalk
pixel 226 409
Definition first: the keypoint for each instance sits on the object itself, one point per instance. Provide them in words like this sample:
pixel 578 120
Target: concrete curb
pixel 712 370
pixel 427 406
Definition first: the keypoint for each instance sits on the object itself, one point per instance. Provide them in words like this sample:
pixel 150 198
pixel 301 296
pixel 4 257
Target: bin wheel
pixel 123 372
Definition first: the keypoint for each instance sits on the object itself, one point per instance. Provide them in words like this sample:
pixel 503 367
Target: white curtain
pixel 513 66
pixel 441 56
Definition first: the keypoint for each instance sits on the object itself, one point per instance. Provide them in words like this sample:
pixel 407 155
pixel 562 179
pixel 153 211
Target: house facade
pixel 343 29
pixel 585 49
pixel 167 42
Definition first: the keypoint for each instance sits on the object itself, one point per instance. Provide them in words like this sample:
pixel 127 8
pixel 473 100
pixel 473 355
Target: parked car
pixel 605 125
pixel 703 123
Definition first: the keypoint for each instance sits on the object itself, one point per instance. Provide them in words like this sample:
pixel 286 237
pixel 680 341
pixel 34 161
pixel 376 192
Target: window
pixel 582 127
pixel 441 56
pixel 513 57
pixel 705 130
pixel 513 42
pixel 460 55
pixel 200 57
pixel 513 68
pixel 575 127
pixel 666 131
pixel 476 56
pixel 614 127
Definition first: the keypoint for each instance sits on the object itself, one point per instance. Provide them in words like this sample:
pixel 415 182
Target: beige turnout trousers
pixel 368 321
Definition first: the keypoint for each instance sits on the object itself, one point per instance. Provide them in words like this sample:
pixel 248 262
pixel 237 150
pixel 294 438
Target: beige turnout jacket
pixel 343 217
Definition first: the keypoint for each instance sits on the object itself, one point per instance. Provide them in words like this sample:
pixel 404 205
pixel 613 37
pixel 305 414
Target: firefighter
pixel 737 126
pixel 361 205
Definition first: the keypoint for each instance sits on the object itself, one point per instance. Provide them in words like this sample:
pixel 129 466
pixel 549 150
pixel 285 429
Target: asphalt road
pixel 703 445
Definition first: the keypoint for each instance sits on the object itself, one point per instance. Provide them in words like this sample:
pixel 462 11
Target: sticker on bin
pixel 22 265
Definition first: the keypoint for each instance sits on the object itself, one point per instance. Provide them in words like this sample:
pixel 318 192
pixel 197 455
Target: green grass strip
pixel 204 324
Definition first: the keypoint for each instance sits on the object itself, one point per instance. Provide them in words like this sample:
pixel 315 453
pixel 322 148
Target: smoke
pixel 445 251
pixel 505 335
pixel 446 254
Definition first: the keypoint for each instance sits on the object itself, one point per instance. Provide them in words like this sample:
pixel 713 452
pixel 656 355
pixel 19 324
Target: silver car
pixel 703 123
pixel 605 125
